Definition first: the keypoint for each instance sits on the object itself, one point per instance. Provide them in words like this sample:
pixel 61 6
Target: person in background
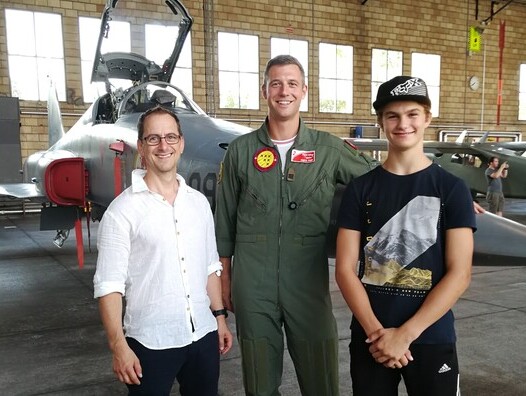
pixel 157 248
pixel 275 193
pixel 494 175
pixel 404 256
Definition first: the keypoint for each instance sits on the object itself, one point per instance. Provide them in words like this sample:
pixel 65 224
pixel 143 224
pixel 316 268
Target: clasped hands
pixel 390 347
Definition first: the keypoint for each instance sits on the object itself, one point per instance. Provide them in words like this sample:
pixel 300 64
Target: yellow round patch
pixel 265 159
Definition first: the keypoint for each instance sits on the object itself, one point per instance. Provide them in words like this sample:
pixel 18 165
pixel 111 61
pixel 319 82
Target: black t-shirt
pixel 402 220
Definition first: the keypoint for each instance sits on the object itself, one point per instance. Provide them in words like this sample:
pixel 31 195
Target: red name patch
pixel 304 157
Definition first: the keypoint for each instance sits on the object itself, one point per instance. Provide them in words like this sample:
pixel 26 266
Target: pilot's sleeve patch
pixel 220 175
pixel 350 144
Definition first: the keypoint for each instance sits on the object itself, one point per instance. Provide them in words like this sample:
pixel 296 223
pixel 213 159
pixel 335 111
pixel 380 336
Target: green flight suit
pixel 274 223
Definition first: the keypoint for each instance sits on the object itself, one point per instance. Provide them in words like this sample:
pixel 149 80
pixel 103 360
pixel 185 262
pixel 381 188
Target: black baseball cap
pixel 402 88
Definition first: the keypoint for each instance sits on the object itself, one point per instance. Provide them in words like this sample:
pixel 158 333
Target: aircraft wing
pixel 449 148
pixel 434 147
pixel 515 146
pixel 364 144
pixel 21 190
pixel 499 241
pixel 429 146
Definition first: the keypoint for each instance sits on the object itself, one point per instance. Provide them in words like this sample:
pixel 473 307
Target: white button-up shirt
pixel 159 257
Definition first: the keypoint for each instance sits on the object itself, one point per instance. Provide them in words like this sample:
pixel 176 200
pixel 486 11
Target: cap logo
pixel 413 86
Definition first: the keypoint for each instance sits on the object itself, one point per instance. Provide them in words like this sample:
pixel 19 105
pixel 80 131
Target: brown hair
pixel 154 110
pixel 282 60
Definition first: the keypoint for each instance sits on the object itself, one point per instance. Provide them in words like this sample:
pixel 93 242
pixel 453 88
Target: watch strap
pixel 220 312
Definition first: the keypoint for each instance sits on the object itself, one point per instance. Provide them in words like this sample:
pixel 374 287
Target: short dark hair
pixel 155 110
pixel 493 159
pixel 282 60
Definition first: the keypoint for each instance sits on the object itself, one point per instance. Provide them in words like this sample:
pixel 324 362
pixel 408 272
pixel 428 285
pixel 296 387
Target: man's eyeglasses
pixel 154 140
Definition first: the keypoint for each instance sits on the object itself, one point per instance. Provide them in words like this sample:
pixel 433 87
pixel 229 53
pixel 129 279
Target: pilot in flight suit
pixel 275 224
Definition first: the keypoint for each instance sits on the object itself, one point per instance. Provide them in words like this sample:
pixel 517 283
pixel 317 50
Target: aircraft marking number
pixel 207 185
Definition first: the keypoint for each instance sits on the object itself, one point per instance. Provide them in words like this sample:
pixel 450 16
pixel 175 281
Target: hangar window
pixel 298 49
pixel 522 92
pixel 182 75
pixel 336 78
pixel 118 41
pixel 427 67
pixel 385 64
pixel 238 61
pixel 35 54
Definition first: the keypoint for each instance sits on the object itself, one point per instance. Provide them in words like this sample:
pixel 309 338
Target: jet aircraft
pixel 90 164
pixel 469 161
pixel 85 168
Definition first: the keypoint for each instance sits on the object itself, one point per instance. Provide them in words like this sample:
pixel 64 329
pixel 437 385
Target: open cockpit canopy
pixel 164 26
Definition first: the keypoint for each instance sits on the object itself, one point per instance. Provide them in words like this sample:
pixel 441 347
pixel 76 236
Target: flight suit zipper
pixel 280 233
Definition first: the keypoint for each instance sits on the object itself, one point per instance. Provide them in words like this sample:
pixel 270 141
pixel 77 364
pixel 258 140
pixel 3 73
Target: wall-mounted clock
pixel 474 83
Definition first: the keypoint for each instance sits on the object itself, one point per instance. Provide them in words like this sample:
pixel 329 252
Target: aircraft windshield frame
pixel 138 99
pixel 133 66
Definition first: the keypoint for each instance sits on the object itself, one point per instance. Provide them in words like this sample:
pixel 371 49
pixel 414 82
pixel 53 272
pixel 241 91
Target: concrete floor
pixel 52 341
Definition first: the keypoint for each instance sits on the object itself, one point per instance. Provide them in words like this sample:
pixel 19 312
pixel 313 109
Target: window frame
pixel 334 77
pixel 521 112
pixel 241 71
pixel 47 61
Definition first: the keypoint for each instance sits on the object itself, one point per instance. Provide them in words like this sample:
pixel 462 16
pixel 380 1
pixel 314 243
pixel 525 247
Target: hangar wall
pixel 404 25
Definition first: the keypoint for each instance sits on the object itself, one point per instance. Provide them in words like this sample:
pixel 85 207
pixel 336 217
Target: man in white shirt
pixel 157 248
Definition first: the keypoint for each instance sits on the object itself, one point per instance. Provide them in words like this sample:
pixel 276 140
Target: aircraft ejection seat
pixel 159 97
pixel 103 110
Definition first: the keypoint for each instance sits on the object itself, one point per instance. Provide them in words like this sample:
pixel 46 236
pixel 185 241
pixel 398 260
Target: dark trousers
pixel 434 372
pixel 196 367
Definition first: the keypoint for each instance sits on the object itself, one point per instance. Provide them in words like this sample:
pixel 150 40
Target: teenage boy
pixel 409 225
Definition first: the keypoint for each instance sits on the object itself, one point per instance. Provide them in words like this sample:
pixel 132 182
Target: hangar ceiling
pixel 486 10
pixel 495 6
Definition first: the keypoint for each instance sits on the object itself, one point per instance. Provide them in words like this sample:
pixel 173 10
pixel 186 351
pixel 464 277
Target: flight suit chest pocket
pixel 313 206
pixel 253 208
pixel 315 191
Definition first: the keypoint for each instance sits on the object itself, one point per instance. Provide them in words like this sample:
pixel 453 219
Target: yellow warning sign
pixel 475 39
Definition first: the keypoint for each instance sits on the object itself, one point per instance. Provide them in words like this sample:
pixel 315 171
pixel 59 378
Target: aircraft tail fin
pixel 54 122
pixel 462 136
pixel 484 137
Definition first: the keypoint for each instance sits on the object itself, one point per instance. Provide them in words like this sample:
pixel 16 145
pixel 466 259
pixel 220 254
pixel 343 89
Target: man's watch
pixel 220 312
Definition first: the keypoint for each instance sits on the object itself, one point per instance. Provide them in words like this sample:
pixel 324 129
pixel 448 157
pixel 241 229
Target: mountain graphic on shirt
pixel 401 240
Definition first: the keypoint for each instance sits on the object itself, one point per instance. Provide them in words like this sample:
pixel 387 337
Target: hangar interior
pixel 51 336
pixel 477 69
